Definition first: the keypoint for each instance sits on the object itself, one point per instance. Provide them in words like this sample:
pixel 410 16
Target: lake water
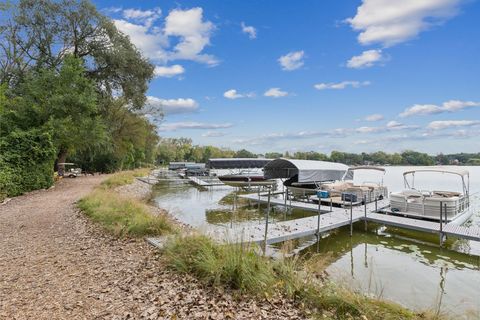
pixel 395 264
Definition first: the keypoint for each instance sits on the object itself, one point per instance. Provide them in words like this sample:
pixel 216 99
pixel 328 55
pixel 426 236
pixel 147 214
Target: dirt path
pixel 54 264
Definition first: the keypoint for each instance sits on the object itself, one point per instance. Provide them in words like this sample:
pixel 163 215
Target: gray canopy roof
pixel 307 170
pixel 236 163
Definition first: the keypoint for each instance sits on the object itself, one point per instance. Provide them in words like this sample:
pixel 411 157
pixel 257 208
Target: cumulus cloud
pixel 168 71
pixel 275 93
pixel 373 117
pixel 250 30
pixel 187 28
pixel 391 22
pixel 365 60
pixel 428 109
pixel 156 105
pixel 446 124
pixel 291 61
pixel 341 85
pixel 233 94
pixel 173 126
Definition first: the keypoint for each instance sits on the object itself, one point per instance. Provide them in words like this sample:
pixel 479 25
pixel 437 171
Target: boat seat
pixel 446 194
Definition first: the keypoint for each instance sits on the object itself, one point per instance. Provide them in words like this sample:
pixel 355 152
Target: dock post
pixel 234 200
pixel 441 224
pixel 376 204
pixel 286 208
pixel 365 210
pixel 331 204
pixel 318 220
pixel 351 216
pixel 266 224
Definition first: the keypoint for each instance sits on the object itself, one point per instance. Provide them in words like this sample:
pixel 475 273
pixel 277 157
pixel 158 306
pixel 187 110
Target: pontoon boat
pixel 450 206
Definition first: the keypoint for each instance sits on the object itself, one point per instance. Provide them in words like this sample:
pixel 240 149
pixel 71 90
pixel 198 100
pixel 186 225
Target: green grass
pixel 123 216
pixel 239 267
pixel 124 177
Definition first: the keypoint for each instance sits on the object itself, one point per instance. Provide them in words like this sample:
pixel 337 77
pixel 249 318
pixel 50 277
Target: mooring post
pixel 351 215
pixel 376 204
pixel 266 224
pixel 365 210
pixel 445 212
pixel 331 204
pixel 318 220
pixel 441 223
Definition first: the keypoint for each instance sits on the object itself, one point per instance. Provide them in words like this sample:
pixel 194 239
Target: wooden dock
pixel 334 217
pixel 205 181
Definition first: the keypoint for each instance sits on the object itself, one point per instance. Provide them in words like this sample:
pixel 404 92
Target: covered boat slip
pixel 434 205
pixel 236 163
pixel 306 178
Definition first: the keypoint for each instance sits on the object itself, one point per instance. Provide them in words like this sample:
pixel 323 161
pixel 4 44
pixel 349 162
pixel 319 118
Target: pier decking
pixel 205 182
pixel 334 217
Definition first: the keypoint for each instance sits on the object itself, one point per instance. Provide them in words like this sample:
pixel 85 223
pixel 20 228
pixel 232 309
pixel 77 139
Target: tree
pixel 244 154
pixel 43 33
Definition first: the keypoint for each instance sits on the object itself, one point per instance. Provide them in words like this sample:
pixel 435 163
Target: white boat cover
pixel 236 163
pixel 307 170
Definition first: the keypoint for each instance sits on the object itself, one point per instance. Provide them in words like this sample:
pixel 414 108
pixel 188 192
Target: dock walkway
pixel 205 182
pixel 335 217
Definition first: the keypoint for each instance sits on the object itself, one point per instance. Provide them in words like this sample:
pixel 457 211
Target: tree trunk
pixel 62 157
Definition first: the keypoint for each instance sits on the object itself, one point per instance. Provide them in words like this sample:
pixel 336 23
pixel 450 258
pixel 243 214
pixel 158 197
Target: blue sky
pixel 312 75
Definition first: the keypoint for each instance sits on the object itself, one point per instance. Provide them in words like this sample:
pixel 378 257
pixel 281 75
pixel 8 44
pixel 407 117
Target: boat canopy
pixel 307 170
pixel 366 168
pixel 236 163
pixel 460 172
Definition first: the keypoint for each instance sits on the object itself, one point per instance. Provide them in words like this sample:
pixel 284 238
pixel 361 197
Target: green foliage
pixel 244 154
pixel 124 177
pixel 26 161
pixel 239 267
pixel 171 149
pixel 123 216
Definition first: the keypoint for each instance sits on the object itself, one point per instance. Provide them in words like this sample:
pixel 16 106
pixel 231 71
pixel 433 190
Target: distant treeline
pixel 182 149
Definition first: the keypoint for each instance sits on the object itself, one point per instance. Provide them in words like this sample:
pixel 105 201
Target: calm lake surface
pixel 404 266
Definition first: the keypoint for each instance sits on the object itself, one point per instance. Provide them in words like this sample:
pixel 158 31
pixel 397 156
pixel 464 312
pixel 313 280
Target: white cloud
pixel 233 94
pixel 341 85
pixel 448 106
pixel 213 134
pixel 275 93
pixel 145 16
pixel 292 60
pixel 373 117
pixel 190 32
pixel 194 34
pixel 446 124
pixel 169 71
pixel 391 22
pixel 390 126
pixel 155 105
pixel 173 126
pixel 250 30
pixel 367 59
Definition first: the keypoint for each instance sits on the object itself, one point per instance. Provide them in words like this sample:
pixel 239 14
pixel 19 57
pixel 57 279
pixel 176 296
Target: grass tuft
pixel 123 216
pixel 124 177
pixel 237 266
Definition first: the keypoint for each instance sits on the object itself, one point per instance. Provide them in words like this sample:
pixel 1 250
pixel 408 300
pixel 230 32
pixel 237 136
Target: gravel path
pixel 54 264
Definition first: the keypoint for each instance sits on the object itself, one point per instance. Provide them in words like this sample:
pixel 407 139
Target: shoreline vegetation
pixel 239 268
pixel 183 149
pixel 123 215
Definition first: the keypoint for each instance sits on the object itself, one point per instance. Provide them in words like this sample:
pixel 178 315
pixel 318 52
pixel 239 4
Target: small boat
pixel 437 205
pixel 246 179
pixel 366 191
